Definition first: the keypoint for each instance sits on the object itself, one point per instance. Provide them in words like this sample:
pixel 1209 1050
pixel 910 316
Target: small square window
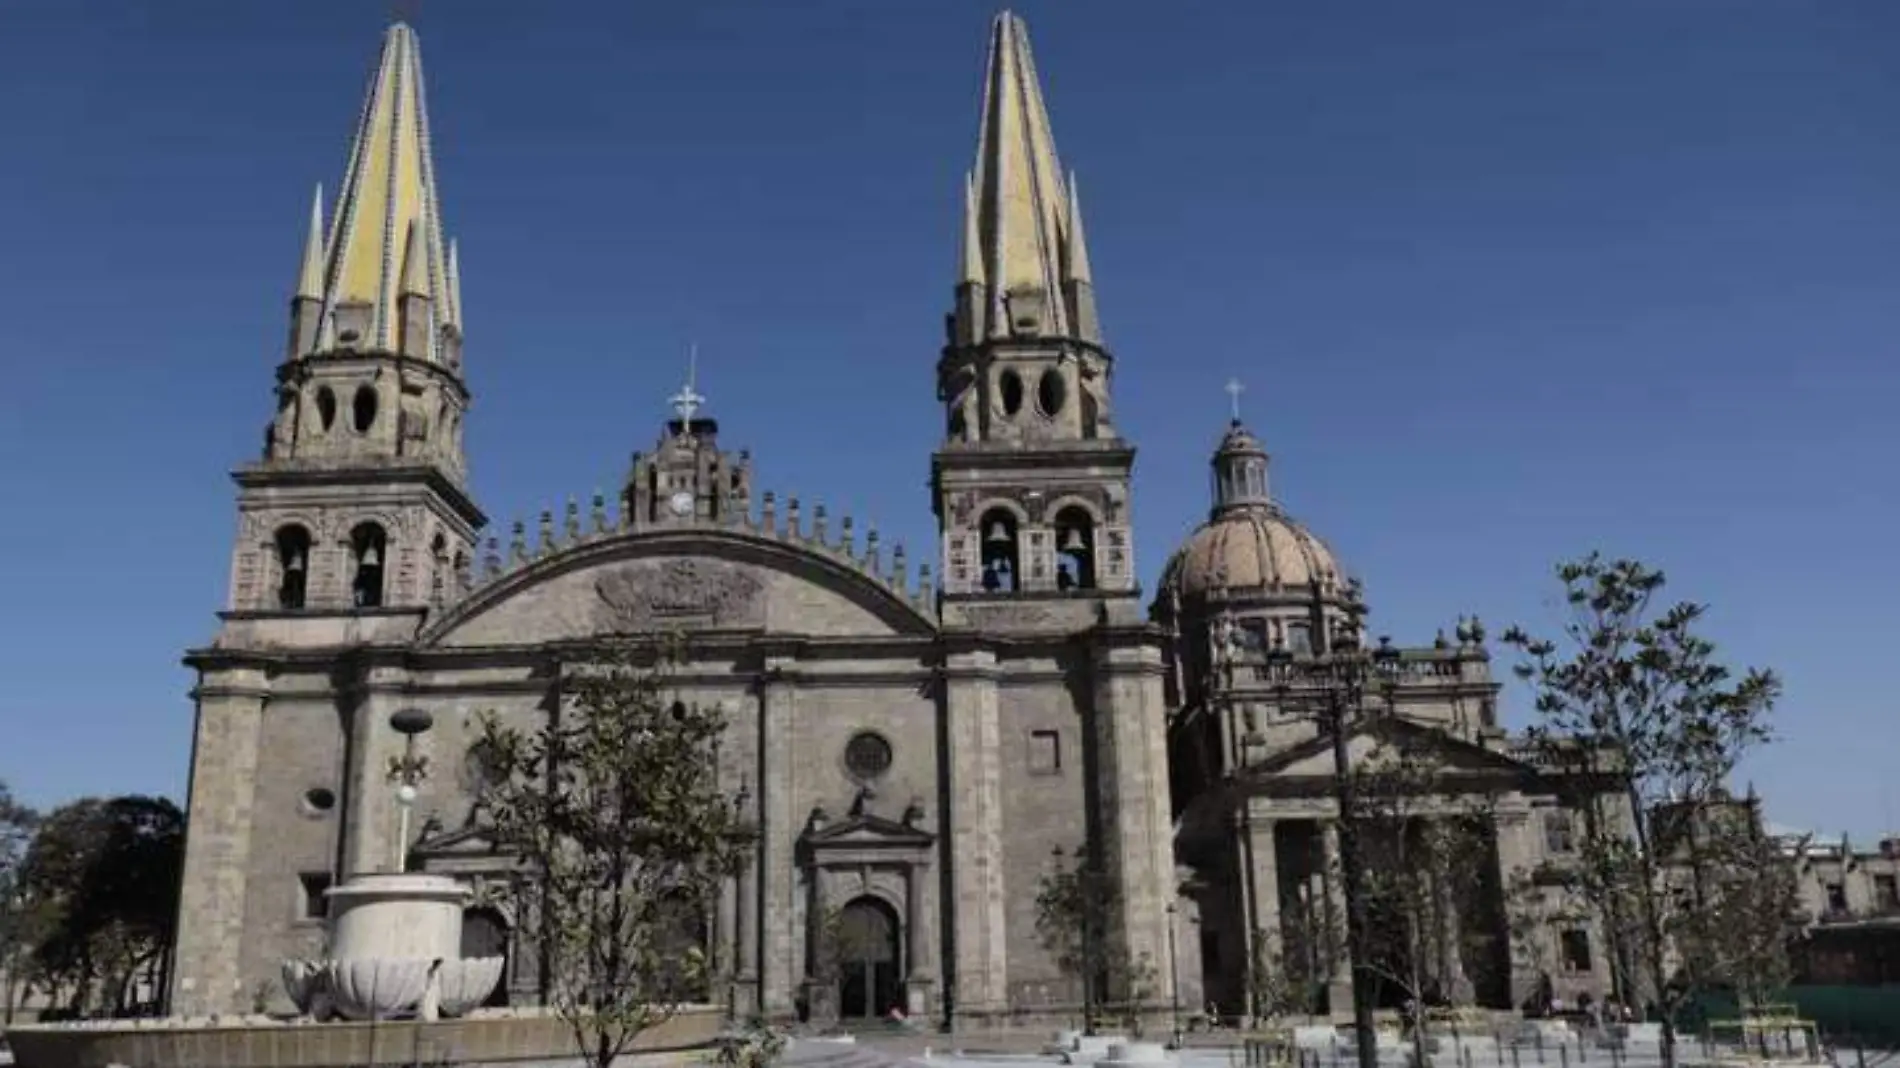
pixel 313 885
pixel 1559 840
pixel 1576 950
pixel 1045 752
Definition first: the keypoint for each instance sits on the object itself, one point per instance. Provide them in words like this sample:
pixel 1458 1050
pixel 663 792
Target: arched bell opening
pixel 1002 555
pixel 869 959
pixel 293 566
pixel 369 552
pixel 1075 549
pixel 485 934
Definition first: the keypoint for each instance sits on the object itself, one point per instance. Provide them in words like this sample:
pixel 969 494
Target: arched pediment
pixel 688 579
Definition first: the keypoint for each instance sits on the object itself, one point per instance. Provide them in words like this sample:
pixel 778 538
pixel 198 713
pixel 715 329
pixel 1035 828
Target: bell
pixel 999 535
pixel 295 564
pixel 1072 541
pixel 372 558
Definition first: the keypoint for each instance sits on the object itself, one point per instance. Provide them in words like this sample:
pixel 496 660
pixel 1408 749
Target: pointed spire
pixel 310 277
pixel 388 194
pixel 415 267
pixel 1022 215
pixel 452 314
pixel 971 266
pixel 1075 266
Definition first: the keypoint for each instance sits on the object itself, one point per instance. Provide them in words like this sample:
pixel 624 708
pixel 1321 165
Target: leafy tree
pixel 1638 708
pixel 100 882
pixel 17 823
pixel 1422 840
pixel 1076 903
pixel 614 809
pixel 1740 911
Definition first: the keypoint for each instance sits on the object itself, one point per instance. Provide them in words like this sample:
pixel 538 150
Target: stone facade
pixel 907 751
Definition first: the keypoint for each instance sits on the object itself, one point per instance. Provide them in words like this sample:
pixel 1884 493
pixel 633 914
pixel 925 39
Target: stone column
pixel 1457 984
pixel 918 943
pixel 779 827
pixel 1512 827
pixel 206 974
pixel 1264 939
pixel 973 849
pixel 746 935
pixel 1339 983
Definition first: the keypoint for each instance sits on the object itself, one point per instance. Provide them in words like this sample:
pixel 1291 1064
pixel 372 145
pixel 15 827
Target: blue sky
pixel 1506 282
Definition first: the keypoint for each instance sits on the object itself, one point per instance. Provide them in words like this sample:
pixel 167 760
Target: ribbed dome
pixel 1248 543
pixel 1254 548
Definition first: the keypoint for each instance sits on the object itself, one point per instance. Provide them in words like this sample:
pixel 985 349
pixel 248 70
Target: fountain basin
pixel 393 915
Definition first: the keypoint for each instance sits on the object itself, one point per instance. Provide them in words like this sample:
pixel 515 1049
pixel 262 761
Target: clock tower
pixel 686 478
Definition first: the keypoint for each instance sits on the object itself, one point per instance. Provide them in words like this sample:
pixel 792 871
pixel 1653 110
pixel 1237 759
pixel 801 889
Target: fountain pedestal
pixel 397 915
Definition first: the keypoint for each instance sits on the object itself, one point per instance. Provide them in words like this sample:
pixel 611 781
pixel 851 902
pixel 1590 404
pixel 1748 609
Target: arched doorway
pixel 485 934
pixel 868 959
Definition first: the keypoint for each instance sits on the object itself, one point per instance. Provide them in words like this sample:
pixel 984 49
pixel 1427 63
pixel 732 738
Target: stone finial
pixel 768 513
pixel 492 563
pixel 845 536
pixel 518 544
pixel 872 563
pixel 547 531
pixel 924 592
pixel 573 521
pixel 900 576
pixel 818 524
pixel 600 512
pixel 792 530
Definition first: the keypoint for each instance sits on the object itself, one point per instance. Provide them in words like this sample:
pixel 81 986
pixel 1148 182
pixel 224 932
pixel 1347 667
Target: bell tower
pixel 360 501
pixel 1031 482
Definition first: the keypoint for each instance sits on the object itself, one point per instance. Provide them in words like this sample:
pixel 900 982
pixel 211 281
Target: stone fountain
pixel 395 937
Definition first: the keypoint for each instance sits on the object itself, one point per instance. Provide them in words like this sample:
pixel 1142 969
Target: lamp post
pixel 1174 977
pixel 406 771
pixel 1333 686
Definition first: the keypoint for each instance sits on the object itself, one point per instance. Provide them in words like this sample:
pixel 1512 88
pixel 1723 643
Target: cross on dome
pixel 688 400
pixel 1234 389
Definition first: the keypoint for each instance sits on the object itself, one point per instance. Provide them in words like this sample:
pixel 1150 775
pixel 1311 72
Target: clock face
pixel 682 503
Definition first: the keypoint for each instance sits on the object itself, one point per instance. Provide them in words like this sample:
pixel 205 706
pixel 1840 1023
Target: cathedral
pixel 911 749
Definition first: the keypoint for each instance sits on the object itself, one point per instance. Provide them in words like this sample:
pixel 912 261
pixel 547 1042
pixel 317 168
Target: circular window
pixel 867 756
pixel 319 799
pixel 1051 392
pixel 326 407
pixel 363 409
pixel 1011 387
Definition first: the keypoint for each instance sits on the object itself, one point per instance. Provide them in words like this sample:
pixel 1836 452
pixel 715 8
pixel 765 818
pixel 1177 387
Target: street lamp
pixel 1174 975
pixel 406 771
pixel 1333 685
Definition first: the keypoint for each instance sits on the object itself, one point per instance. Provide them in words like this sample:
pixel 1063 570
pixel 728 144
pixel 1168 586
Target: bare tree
pixel 1637 709
pixel 613 806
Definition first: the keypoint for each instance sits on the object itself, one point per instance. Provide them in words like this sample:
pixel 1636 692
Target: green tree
pixel 100 887
pixel 614 809
pixel 1634 704
pixel 1743 912
pixel 17 823
pixel 1076 906
pixel 1423 840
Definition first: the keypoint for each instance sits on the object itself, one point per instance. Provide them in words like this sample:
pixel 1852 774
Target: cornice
pixel 267 473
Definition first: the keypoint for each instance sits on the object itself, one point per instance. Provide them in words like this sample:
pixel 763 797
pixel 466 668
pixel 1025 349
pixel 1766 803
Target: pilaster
pixel 973 855
pixel 779 829
pixel 207 957
pixel 1137 831
pixel 1339 981
pixel 1260 861
pixel 369 806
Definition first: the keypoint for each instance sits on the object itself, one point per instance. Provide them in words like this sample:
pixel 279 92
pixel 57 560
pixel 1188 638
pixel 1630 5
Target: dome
pixel 1256 548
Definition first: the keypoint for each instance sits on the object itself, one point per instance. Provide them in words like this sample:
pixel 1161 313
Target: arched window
pixel 1075 549
pixel 293 566
pixel 1002 561
pixel 369 549
pixel 680 926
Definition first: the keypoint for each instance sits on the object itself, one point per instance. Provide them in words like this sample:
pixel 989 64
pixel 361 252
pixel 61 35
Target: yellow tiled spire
pixel 1022 213
pixel 388 194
